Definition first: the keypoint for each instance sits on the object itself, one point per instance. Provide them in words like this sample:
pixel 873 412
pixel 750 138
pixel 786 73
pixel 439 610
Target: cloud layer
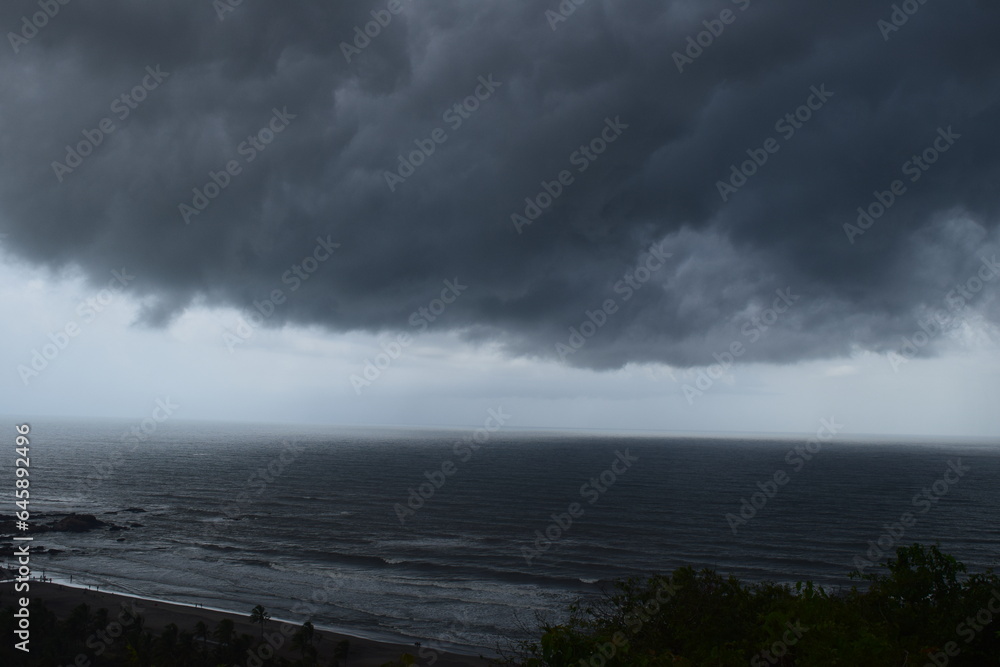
pixel 206 97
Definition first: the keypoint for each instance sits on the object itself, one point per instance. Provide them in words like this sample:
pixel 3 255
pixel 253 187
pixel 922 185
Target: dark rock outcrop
pixel 74 523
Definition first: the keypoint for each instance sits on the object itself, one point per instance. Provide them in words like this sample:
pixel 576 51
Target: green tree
pixel 302 641
pixel 916 605
pixel 340 652
pixel 201 631
pixel 224 632
pixel 259 615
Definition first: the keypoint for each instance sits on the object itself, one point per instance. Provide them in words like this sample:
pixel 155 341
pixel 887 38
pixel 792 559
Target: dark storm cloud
pixel 876 102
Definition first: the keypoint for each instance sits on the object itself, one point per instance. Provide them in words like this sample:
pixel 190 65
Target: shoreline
pixel 377 636
pixel 62 598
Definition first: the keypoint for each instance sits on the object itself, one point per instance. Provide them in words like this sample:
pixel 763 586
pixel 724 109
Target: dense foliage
pixel 922 610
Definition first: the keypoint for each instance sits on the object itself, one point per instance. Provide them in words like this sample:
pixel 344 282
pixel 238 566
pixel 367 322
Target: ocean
pixel 466 539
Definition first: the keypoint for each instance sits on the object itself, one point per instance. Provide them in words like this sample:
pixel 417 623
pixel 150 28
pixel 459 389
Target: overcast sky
pixel 676 216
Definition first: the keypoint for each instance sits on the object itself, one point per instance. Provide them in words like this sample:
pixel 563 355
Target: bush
pixel 921 610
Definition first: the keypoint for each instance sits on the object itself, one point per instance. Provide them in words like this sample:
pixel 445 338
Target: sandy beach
pixel 61 599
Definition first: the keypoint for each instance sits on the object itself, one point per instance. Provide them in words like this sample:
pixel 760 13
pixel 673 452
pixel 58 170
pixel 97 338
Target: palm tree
pixel 224 631
pixel 139 646
pixel 187 650
pixel 166 646
pixel 201 630
pixel 340 652
pixel 302 640
pixel 259 615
